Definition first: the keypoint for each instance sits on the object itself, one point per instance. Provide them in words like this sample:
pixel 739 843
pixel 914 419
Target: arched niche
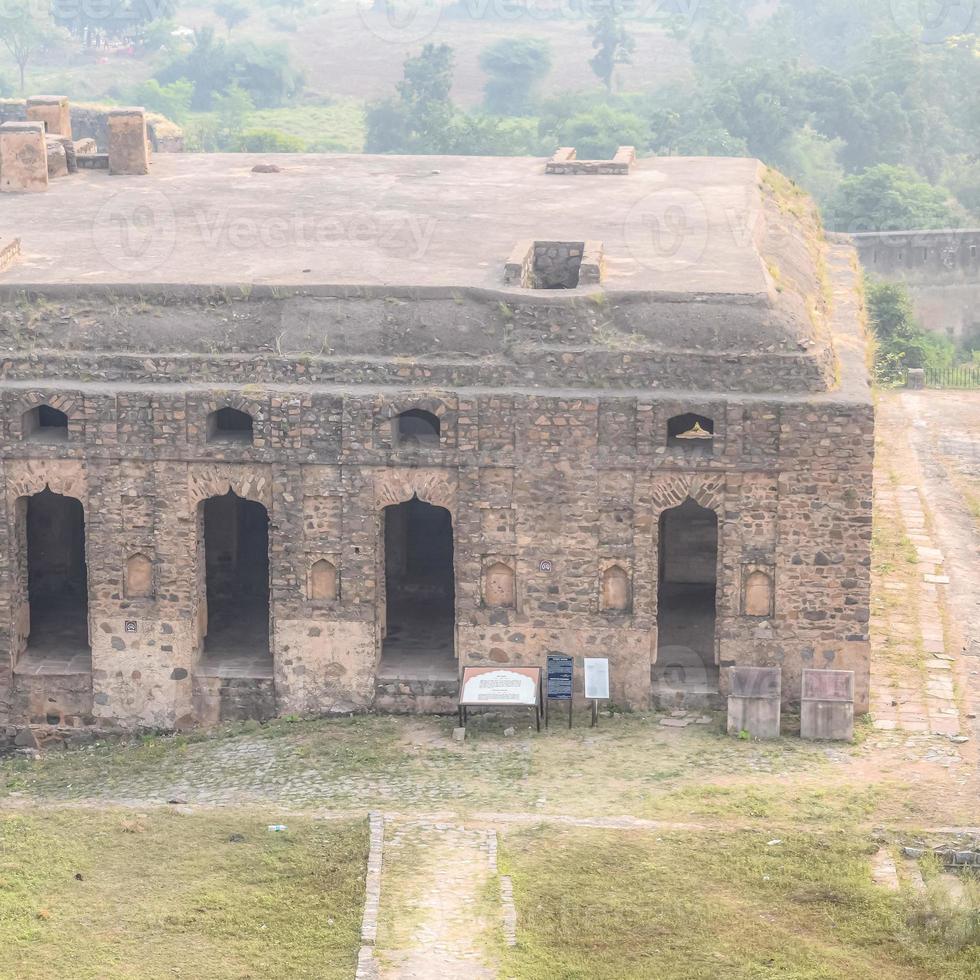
pixel 43 423
pixel 616 589
pixel 693 434
pixel 416 429
pixel 229 425
pixel 757 593
pixel 139 576
pixel 323 580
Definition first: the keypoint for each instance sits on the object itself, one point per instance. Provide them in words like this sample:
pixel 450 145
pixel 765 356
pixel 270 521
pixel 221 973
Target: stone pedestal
pixel 827 705
pixel 23 157
pixel 53 111
pixel 754 701
pixel 57 158
pixel 128 152
pixel 916 378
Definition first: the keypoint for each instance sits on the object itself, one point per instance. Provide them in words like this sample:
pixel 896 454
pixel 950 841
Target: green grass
pixel 621 905
pixel 340 124
pixel 107 895
pixel 337 127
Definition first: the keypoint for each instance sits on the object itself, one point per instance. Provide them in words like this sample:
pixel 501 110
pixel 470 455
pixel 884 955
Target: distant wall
pixel 941 268
pixel 91 121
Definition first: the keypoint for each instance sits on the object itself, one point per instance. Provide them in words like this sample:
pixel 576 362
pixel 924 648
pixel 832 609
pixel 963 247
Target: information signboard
pixel 560 672
pixel 500 686
pixel 558 684
pixel 596 678
pixel 596 683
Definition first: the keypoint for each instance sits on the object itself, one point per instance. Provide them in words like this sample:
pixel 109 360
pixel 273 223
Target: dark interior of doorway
pixel 419 591
pixel 57 586
pixel 686 600
pixel 236 557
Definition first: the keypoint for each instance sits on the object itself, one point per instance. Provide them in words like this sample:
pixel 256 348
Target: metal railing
pixel 965 376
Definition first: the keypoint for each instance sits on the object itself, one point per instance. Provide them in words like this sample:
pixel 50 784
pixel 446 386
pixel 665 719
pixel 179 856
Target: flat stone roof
pixel 673 226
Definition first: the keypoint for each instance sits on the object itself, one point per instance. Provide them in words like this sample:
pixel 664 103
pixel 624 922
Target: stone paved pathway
pixel 912 685
pixel 435 919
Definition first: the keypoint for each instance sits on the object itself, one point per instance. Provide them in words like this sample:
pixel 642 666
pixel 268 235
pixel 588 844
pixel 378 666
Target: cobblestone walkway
pixel 912 687
pixel 434 899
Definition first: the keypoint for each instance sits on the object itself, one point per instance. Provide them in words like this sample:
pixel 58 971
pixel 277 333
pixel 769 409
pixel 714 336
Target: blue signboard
pixel 560 668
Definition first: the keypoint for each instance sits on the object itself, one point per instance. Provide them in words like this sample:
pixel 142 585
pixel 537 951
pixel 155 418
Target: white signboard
pixel 596 678
pixel 499 687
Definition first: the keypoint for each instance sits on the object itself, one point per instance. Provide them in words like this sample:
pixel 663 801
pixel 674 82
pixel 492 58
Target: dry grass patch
pixel 113 895
pixel 680 905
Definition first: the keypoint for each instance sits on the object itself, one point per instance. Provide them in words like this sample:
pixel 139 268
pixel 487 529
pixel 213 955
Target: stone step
pixel 412 696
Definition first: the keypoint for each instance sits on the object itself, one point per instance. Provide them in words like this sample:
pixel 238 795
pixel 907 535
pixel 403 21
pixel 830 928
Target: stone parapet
pixel 128 146
pixel 23 157
pixel 565 161
pixel 53 111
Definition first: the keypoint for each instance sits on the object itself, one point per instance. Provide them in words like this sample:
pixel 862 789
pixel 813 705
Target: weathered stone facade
pixel 552 459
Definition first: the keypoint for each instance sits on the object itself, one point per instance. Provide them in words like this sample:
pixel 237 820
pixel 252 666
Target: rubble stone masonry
pixel 552 459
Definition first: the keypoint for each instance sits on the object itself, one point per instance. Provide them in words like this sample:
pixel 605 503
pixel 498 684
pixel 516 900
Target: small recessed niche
pixel 416 429
pixel 323 580
pixel 616 594
pixel 498 585
pixel 554 265
pixel 757 592
pixel 139 577
pixel 45 424
pixel 694 434
pixel 229 425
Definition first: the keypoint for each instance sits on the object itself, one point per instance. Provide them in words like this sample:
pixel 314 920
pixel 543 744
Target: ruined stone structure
pixel 88 121
pixel 941 269
pixel 291 442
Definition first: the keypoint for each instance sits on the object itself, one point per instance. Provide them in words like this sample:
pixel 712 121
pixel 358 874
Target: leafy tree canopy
pixel 516 67
pixel 887 198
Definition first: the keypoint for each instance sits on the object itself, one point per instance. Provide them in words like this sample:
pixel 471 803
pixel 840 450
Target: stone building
pixel 305 438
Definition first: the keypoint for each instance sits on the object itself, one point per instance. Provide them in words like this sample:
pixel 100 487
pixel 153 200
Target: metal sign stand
pixel 558 683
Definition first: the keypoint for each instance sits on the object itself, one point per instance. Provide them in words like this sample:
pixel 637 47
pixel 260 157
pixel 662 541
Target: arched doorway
pixel 688 571
pixel 236 571
pixel 420 594
pixel 57 585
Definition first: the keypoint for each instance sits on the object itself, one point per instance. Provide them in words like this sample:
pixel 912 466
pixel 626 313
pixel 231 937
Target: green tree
pixel 420 118
pixel 516 67
pixel 232 12
pixel 172 101
pixel 613 44
pixel 886 198
pixel 89 21
pixel 597 132
pixel 25 31
pixel 900 340
pixel 264 71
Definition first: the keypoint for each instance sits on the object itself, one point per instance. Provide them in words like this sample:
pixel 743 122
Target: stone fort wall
pixel 941 268
pixel 578 481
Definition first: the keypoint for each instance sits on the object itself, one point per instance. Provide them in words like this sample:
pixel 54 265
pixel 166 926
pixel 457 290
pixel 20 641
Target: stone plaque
pixel 828 685
pixel 130 625
pixel 756 682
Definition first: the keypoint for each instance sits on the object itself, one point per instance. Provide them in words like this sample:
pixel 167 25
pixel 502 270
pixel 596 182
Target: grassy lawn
pixel 105 895
pixel 679 905
pixel 338 126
